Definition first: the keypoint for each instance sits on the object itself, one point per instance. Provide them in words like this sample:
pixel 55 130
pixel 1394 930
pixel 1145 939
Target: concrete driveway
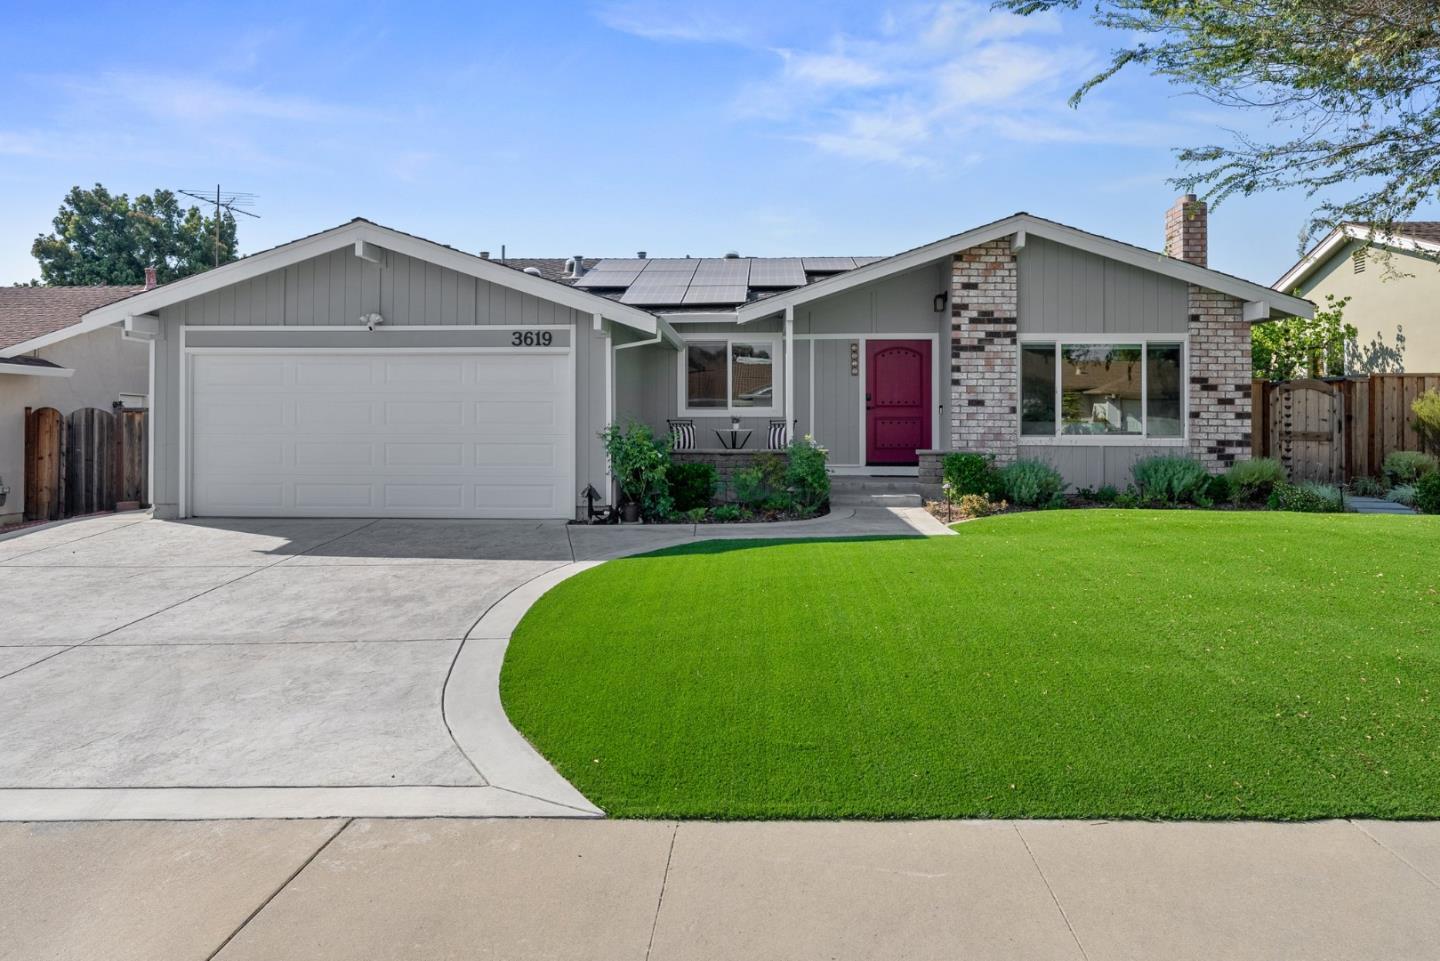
pixel 278 668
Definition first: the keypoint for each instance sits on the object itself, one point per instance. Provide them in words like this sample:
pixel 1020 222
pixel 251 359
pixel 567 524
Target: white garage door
pixel 392 434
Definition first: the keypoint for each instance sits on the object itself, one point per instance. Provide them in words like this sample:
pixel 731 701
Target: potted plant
pixel 638 460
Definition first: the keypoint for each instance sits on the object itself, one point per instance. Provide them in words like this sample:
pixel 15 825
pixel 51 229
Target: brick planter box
pixel 725 462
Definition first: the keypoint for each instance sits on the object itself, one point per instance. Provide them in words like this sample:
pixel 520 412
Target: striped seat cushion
pixel 777 435
pixel 682 435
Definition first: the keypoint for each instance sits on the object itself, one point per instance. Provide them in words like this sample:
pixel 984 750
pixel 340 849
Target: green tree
pixel 105 238
pixel 1286 349
pixel 1349 92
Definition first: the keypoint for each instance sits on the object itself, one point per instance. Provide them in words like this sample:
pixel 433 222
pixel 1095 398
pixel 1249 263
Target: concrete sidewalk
pixel 519 889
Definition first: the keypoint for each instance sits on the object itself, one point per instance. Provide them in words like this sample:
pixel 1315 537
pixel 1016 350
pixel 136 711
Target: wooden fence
pixel 91 461
pixel 1336 429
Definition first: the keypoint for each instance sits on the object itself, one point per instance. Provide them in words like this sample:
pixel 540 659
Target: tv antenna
pixel 232 202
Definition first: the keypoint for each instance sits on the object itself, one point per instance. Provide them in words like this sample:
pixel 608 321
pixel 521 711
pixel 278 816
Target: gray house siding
pixel 335 289
pixel 1067 291
pixel 1093 465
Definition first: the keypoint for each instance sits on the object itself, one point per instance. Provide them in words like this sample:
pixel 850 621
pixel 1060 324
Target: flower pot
pixel 630 512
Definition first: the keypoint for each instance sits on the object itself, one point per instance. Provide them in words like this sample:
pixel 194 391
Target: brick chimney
pixel 149 278
pixel 1187 230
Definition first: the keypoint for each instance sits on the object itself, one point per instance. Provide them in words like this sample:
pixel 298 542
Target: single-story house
pixel 363 371
pixel 1393 282
pixel 48 358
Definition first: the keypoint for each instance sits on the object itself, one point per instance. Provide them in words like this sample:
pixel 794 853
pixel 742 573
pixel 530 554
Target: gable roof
pixel 1021 224
pixel 358 232
pixel 1415 235
pixel 27 313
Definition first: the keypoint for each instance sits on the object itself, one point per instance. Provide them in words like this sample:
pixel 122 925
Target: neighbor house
pixel 1393 282
pixel 48 358
pixel 362 371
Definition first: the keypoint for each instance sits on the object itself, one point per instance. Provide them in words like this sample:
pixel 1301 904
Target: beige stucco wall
pixel 105 367
pixel 1395 307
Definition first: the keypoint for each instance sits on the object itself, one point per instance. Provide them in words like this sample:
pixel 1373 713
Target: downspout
pixel 790 372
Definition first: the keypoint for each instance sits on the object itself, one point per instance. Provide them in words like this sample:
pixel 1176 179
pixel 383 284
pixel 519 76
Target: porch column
pixel 790 418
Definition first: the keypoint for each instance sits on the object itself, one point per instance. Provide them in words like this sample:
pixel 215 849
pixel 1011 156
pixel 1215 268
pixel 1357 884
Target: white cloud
pixel 909 90
pixel 190 98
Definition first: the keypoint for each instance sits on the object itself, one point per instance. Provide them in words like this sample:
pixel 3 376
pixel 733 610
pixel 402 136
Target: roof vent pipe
pixel 640 254
pixel 534 271
pixel 575 266
pixel 484 255
pixel 732 255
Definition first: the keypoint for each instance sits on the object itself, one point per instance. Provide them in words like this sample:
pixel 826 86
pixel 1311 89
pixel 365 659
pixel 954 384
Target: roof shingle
pixel 30 312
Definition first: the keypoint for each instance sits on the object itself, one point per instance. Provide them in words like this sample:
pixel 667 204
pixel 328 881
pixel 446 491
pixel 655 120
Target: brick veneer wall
pixel 1219 379
pixel 983 358
pixel 726 464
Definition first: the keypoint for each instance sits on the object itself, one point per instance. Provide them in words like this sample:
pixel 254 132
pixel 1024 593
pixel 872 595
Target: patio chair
pixel 778 439
pixel 682 434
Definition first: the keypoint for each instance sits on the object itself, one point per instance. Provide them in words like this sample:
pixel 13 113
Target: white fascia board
pixel 362 234
pixel 1340 236
pixel 1030 225
pixel 30 370
pixel 699 317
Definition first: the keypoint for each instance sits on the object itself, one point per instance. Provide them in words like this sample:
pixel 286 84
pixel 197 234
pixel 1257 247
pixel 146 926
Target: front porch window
pixel 729 375
pixel 1088 389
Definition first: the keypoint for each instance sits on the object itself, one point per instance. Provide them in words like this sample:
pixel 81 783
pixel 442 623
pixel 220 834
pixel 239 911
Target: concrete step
pixel 862 499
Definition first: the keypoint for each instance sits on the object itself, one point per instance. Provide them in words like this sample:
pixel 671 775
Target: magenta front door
pixel 897 400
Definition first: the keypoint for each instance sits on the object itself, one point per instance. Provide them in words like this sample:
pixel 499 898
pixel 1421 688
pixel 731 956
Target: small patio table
pixel 738 438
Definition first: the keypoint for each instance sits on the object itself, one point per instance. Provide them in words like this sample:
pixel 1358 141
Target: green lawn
pixel 1058 664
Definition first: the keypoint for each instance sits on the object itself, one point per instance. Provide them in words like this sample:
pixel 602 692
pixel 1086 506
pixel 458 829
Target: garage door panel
pixel 328 455
pixel 317 414
pixel 339 497
pixel 356 373
pixel 403 436
pixel 425 455
pixel 427 373
pixel 428 415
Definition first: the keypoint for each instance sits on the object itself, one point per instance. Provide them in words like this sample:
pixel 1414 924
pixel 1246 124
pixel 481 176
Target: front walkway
pixel 1377 505
pixel 658 891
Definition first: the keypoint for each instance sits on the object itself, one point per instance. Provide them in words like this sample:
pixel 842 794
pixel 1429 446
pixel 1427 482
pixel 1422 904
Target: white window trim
pixel 777 375
pixel 1110 440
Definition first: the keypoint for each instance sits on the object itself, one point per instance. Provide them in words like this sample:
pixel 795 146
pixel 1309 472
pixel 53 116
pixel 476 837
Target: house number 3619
pixel 531 338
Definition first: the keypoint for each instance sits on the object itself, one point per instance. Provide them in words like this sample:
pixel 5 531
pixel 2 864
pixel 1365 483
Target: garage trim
pixel 186 378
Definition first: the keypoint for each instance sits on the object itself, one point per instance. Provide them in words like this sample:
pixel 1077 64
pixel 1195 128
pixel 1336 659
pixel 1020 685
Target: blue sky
pixel 608 127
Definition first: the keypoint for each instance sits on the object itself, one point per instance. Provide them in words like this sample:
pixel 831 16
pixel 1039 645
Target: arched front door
pixel 897 400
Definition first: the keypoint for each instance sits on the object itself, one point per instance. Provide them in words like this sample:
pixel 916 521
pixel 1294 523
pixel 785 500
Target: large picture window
pixel 725 375
pixel 1088 389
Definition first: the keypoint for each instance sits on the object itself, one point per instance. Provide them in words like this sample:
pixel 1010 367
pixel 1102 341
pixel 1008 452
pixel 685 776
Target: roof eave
pixel 1245 290
pixel 364 231
pixel 1321 253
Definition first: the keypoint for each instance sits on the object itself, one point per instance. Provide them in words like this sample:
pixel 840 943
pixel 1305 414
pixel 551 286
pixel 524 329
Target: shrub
pixel 726 513
pixel 692 485
pixel 1308 498
pixel 969 474
pixel 1031 483
pixel 1427 494
pixel 1218 490
pixel 780 502
pixel 1107 494
pixel 805 478
pixel 1171 480
pixel 696 515
pixel 979 505
pixel 1127 499
pixel 1407 466
pixel 1364 486
pixel 1404 494
pixel 639 461
pixel 1252 481
pixel 1427 418
pixel 751 488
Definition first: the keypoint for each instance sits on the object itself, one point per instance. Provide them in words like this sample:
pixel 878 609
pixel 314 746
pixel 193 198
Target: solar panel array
pixel 709 281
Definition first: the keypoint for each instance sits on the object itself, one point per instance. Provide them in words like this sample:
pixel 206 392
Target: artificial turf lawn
pixel 1178 664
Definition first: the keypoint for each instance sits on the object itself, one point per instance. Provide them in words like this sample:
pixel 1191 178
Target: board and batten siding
pixel 1094 465
pixel 1063 290
pixel 337 288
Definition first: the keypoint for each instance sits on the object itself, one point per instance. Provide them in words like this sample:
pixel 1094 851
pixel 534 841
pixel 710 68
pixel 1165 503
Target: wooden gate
pixel 1306 426
pixel 89 462
pixel 130 461
pixel 44 464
